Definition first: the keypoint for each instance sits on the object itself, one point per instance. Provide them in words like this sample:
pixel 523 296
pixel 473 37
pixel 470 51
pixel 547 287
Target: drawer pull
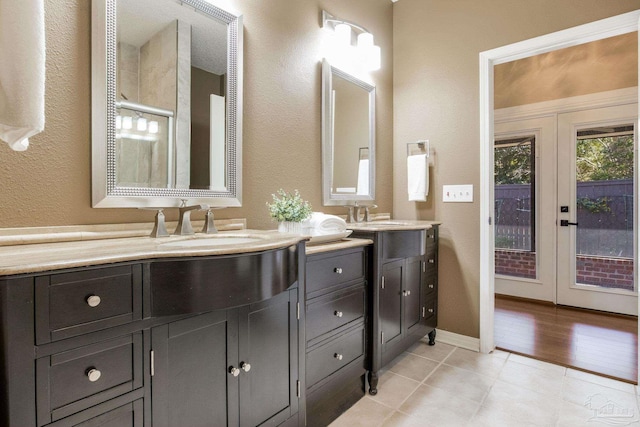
pixel 430 286
pixel 432 261
pixel 406 293
pixel 431 310
pixel 93 300
pixel 338 356
pixel 93 374
pixel 337 313
pixel 234 371
pixel 337 270
pixel 245 366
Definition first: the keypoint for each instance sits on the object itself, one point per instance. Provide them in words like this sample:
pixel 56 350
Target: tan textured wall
pixel 572 71
pixel 50 184
pixel 436 97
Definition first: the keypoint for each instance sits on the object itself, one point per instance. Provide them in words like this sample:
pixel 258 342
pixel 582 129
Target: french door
pixel 525 249
pixel 564 191
pixel 596 206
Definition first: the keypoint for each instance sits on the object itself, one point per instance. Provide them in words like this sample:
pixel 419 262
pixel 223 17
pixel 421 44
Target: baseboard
pixel 458 340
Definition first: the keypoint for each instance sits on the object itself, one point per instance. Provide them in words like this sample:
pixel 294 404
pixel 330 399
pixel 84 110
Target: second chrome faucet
pixel 184 227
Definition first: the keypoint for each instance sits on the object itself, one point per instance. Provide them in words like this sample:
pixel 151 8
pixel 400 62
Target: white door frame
pixel 605 28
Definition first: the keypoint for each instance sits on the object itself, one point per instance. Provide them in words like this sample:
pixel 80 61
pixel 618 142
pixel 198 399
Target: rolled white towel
pixel 320 224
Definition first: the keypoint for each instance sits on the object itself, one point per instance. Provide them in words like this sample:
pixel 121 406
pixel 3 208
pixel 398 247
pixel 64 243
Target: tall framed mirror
pixel 348 138
pixel 166 103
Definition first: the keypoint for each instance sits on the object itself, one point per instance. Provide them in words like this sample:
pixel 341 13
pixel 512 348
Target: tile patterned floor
pixel 445 385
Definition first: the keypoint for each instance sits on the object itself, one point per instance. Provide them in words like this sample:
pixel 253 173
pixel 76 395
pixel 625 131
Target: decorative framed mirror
pixel 348 138
pixel 166 103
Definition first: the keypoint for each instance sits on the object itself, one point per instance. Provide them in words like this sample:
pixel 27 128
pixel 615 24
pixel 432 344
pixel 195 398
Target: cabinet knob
pixel 93 300
pixel 408 293
pixel 93 374
pixel 338 356
pixel 337 270
pixel 430 286
pixel 234 371
pixel 245 366
pixel 432 261
pixel 337 313
pixel 431 310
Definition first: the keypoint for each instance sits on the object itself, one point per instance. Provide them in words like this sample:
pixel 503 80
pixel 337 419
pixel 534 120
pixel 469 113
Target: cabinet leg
pixel 432 337
pixel 373 383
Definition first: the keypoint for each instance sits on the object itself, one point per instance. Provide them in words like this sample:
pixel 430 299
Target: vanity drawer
pixel 328 358
pixel 324 273
pixel 70 304
pixel 431 312
pixel 77 379
pixel 329 312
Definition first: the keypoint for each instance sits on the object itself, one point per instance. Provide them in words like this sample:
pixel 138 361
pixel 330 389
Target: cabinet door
pixel 191 384
pixel 268 343
pixel 413 300
pixel 390 300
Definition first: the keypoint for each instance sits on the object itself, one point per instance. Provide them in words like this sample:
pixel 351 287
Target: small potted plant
pixel 289 210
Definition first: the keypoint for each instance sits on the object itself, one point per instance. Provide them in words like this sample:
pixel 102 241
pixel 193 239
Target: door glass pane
pixel 515 248
pixel 604 206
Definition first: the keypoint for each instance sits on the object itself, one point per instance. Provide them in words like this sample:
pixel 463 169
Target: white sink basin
pixel 212 241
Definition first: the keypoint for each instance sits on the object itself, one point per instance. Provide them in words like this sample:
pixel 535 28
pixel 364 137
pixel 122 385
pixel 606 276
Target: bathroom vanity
pixel 128 332
pixel 404 287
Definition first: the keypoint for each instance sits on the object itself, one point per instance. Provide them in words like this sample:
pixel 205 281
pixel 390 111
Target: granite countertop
pixel 392 225
pixel 32 250
pixel 337 245
pixel 39 257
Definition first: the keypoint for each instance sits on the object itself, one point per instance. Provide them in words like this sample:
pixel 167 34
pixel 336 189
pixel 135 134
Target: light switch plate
pixel 457 193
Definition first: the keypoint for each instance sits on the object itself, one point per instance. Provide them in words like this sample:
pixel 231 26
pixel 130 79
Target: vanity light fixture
pixel 367 53
pixel 153 126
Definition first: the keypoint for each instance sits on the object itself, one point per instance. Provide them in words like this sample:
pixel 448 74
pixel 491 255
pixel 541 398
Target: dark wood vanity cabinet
pixel 228 368
pixel 336 332
pixel 404 293
pixel 81 347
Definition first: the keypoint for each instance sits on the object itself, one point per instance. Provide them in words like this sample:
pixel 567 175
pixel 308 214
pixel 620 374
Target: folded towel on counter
pixel 320 224
pixel 418 178
pixel 22 71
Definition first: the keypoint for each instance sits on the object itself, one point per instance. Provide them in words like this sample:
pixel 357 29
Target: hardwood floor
pixel 587 340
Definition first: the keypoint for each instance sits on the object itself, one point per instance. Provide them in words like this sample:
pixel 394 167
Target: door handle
pixel 566 223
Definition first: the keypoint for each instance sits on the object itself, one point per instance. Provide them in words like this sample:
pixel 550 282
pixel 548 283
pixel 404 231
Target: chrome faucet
pixel 350 215
pixel 184 221
pixel 159 227
pixel 367 214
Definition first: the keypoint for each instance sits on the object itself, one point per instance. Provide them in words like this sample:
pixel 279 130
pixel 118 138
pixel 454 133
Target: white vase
pixel 290 227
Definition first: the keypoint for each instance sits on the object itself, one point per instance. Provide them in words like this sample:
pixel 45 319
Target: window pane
pixel 515 252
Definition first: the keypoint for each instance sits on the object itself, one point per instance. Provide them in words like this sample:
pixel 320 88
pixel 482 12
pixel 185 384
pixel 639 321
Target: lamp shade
pixel 343 33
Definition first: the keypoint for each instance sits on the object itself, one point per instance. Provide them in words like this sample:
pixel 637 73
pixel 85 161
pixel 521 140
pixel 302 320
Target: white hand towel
pixel 363 177
pixel 22 71
pixel 321 223
pixel 417 178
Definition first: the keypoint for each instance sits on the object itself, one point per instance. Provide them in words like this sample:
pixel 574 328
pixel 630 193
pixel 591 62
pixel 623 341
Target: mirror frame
pixel 329 198
pixel 105 192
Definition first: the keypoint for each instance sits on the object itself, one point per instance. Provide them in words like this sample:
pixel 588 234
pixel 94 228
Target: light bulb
pixel 365 40
pixel 374 60
pixel 118 122
pixel 153 126
pixel 343 34
pixel 141 124
pixel 127 122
